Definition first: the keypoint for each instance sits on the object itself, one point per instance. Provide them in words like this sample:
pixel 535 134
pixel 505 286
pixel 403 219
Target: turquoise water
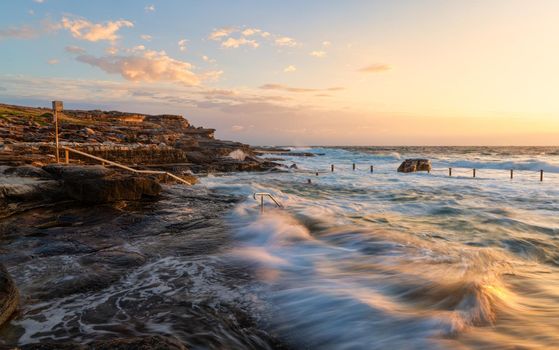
pixel 361 260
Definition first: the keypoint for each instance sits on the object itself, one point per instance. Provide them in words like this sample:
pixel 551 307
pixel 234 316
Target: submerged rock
pixel 414 165
pixel 9 296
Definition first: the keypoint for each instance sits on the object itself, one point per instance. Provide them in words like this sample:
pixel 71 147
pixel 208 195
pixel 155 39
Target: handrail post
pixel 67 154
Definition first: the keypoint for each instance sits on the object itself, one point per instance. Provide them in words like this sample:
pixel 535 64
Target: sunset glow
pixel 298 72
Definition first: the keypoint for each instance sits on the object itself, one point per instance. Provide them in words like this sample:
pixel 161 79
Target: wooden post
pixel 541 175
pixel 317 173
pixel 57 106
pixel 449 171
pixel 67 154
pixel 474 172
pixel 511 174
pixel 332 167
pixel 353 166
pixel 309 181
pixel 372 169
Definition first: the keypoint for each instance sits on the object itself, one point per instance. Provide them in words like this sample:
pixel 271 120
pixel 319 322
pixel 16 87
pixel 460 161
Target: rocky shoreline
pixel 93 257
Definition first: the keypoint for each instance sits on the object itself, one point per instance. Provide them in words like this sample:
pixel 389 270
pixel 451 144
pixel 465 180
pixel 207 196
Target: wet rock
pixel 27 171
pixel 9 296
pixel 155 342
pixel 414 165
pixel 293 166
pixel 77 172
pixel 113 188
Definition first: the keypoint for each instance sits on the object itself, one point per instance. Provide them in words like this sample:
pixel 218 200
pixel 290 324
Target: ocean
pixel 361 260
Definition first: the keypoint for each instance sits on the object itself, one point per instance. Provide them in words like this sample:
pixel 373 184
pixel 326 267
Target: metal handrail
pixel 118 165
pixel 265 194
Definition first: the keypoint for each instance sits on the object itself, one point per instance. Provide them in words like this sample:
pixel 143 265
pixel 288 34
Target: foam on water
pixel 370 261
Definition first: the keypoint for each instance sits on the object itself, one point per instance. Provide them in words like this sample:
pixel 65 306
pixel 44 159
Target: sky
pixel 297 72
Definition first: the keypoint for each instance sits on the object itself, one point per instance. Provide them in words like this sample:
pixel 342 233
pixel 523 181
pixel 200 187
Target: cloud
pixel 326 43
pixel 148 66
pixel 111 50
pixel 235 37
pixel 74 49
pixel 53 61
pixel 285 41
pixel 149 8
pixel 375 68
pixel 236 43
pixel 29 32
pixel 281 87
pixel 237 128
pixel 23 32
pixel 182 44
pixel 146 37
pixel 221 33
pixel 85 30
pixel 289 69
pixel 39 1
pixel 319 54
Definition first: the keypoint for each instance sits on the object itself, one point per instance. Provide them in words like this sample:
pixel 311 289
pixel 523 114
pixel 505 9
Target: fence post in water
pixel 353 166
pixel 317 173
pixel 511 174
pixel 474 172
pixel 449 171
pixel 372 169
pixel 332 167
pixel 541 175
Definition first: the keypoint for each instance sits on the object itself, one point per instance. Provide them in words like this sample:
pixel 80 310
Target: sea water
pixel 376 260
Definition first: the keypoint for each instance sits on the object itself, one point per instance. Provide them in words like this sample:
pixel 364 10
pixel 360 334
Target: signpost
pixel 57 106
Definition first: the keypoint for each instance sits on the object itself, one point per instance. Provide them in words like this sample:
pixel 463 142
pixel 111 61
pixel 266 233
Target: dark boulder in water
pixel 9 296
pixel 414 165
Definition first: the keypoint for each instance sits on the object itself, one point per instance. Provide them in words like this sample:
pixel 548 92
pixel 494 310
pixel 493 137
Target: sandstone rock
pixel 9 296
pixel 89 131
pixel 414 165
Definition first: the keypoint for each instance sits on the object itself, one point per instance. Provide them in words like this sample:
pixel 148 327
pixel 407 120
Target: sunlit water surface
pixel 361 260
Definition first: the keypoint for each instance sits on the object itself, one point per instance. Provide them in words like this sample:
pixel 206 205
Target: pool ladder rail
pixel 265 194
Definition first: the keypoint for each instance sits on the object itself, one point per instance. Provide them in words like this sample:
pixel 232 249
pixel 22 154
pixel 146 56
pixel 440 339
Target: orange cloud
pixel 86 30
pixel 375 68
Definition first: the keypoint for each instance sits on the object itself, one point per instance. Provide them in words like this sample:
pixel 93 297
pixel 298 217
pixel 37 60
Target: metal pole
pixel 67 154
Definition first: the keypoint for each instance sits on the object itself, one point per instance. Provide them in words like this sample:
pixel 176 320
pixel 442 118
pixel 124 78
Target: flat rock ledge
pixel 9 296
pixel 24 188
pixel 414 165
